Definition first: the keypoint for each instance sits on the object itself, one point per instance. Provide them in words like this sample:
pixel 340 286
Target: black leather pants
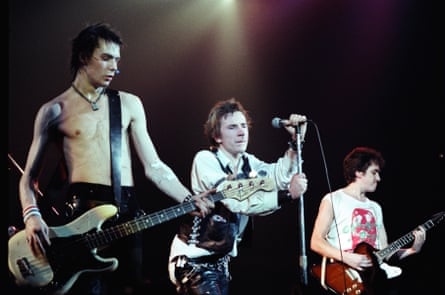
pixel 203 278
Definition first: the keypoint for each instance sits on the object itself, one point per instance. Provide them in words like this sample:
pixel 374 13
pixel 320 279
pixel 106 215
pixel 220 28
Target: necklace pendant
pixel 94 106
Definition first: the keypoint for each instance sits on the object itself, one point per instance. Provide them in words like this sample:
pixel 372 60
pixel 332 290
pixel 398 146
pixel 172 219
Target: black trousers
pixel 202 276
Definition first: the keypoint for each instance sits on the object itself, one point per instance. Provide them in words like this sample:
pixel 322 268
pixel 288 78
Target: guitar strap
pixel 115 142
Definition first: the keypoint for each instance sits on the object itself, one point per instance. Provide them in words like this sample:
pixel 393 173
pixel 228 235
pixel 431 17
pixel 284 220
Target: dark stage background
pixel 366 72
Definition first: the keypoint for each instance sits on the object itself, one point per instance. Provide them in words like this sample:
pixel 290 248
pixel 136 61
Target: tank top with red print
pixel 355 221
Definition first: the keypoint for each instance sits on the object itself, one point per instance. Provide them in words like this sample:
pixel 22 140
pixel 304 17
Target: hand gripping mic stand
pixel 297 146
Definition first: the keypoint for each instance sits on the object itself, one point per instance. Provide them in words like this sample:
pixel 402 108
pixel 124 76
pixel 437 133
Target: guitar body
pixel 339 278
pixel 342 279
pixel 61 267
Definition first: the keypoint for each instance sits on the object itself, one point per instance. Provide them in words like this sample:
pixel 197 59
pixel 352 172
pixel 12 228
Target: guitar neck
pixel 399 243
pixel 106 236
pixel 236 189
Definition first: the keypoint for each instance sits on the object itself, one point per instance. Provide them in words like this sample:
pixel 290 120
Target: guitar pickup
pixel 24 267
pixel 354 275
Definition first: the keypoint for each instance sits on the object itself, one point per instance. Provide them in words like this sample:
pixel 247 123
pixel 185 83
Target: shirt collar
pixel 226 161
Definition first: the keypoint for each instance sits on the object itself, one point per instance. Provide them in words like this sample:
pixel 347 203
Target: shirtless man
pixel 77 121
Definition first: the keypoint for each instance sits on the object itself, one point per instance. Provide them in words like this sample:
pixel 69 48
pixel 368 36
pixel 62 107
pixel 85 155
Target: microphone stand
pixel 303 257
pixel 39 192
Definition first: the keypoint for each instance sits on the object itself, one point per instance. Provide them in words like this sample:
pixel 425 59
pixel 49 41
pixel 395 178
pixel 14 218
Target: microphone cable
pixel 326 172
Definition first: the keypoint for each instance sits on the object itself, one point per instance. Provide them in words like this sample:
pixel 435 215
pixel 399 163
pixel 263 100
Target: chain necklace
pixel 93 104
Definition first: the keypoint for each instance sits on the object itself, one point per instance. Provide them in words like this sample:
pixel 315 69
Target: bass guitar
pixel 342 279
pixel 57 271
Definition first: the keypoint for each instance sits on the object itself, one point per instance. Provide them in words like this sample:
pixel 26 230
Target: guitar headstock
pixel 438 217
pixel 241 189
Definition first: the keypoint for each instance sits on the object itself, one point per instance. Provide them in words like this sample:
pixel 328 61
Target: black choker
pixel 93 104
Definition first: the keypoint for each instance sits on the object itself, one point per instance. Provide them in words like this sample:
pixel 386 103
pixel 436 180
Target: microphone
pixel 278 123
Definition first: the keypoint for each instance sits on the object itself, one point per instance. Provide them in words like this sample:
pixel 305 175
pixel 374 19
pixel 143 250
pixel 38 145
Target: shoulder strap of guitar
pixel 115 142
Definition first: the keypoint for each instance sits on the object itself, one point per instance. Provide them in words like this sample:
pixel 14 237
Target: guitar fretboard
pixel 104 237
pixel 240 190
pixel 399 243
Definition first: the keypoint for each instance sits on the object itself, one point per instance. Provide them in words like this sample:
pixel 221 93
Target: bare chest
pixel 85 125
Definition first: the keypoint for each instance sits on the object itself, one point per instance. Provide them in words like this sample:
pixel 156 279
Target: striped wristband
pixel 30 211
